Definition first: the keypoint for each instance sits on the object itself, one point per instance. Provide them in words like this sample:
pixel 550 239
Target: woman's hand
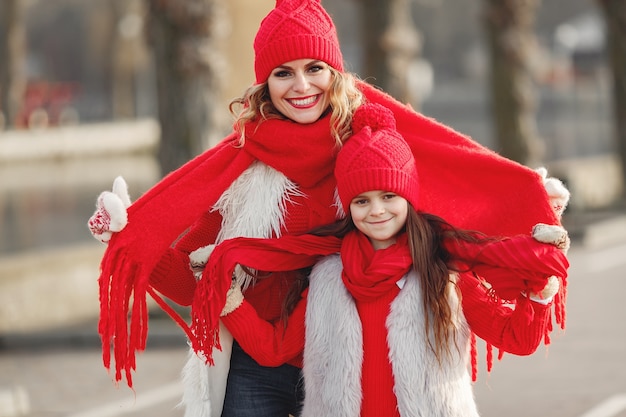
pixel 110 215
pixel 199 258
pixel 558 193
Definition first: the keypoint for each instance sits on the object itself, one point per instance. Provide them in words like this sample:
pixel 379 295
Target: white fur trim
pixel 254 206
pixel 204 386
pixel 332 354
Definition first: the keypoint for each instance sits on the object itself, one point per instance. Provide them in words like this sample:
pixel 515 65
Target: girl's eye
pixel 359 202
pixel 389 196
pixel 316 68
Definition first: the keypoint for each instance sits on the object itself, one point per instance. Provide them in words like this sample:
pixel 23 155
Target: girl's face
pixel 300 89
pixel 380 215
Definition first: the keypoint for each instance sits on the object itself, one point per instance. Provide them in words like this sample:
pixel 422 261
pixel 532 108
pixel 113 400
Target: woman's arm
pixel 172 275
pixel 270 344
pixel 518 330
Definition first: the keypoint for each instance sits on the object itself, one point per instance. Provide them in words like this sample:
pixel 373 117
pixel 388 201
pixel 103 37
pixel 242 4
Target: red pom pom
pixel 374 115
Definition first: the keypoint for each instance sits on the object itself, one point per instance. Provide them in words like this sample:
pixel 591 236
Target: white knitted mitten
pixel 552 234
pixel 549 291
pixel 199 258
pixel 110 215
pixel 558 193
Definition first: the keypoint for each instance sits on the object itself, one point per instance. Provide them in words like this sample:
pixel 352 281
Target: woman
pixel 272 177
pixel 388 319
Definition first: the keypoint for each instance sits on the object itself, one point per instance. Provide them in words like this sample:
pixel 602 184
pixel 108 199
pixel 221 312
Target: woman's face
pixel 300 89
pixel 380 215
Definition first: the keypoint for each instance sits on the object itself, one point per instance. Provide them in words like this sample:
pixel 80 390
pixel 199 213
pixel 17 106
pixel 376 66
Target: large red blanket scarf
pixel 462 181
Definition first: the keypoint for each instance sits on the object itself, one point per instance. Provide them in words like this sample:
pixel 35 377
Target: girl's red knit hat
pixel 376 157
pixel 295 29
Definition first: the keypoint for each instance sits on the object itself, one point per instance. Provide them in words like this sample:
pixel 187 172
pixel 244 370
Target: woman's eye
pixel 281 74
pixel 316 68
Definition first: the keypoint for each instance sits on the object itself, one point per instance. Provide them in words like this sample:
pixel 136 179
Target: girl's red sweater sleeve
pixel 517 330
pixel 172 275
pixel 270 344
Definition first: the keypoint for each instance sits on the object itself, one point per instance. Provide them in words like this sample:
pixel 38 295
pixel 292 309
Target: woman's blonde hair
pixel 344 99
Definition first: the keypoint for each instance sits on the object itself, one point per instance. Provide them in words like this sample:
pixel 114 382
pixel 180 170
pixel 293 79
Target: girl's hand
pixel 557 236
pixel 549 291
pixel 110 215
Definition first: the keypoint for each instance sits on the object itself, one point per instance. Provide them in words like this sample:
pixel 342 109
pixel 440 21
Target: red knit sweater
pixel 499 325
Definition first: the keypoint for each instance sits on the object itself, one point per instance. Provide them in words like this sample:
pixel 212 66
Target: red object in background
pixel 47 104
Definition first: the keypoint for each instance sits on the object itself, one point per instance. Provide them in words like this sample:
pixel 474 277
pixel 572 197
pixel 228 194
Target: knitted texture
pixel 467 184
pixel 295 29
pixel 375 158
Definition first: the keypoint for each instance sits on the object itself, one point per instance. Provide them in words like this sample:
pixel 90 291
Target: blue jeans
pixel 258 391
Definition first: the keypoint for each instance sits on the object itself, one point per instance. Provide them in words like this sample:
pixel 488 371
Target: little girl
pixel 394 296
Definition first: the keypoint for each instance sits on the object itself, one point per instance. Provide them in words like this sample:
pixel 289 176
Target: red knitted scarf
pixel 305 153
pixel 287 253
pixel 461 181
pixel 521 263
pixel 369 273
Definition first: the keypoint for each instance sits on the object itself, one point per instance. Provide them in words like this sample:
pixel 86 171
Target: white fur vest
pixel 333 353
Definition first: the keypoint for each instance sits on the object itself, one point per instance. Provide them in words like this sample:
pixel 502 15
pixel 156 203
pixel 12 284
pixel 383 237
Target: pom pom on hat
pixel 376 157
pixel 295 29
pixel 376 116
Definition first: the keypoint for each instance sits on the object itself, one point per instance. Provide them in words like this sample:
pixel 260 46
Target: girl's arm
pixel 518 330
pixel 270 344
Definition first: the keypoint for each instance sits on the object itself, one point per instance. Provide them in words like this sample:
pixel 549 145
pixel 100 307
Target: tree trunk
pixel 509 29
pixel 615 14
pixel 12 55
pixel 182 34
pixel 126 53
pixel 392 47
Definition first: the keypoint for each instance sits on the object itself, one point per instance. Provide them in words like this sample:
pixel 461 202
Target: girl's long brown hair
pixel 426 235
pixel 433 263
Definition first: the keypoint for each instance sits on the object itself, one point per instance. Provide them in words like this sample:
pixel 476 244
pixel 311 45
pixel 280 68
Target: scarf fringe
pixel 557 315
pixel 123 323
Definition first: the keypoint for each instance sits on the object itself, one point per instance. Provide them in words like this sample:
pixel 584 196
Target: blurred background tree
pixel 12 60
pixel 615 15
pixel 516 75
pixel 509 28
pixel 183 35
pixel 392 48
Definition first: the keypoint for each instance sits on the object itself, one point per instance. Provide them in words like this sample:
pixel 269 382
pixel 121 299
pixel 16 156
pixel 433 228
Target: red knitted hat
pixel 376 157
pixel 295 29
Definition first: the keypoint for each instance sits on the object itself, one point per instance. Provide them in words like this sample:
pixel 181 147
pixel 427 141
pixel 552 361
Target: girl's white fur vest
pixel 333 353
